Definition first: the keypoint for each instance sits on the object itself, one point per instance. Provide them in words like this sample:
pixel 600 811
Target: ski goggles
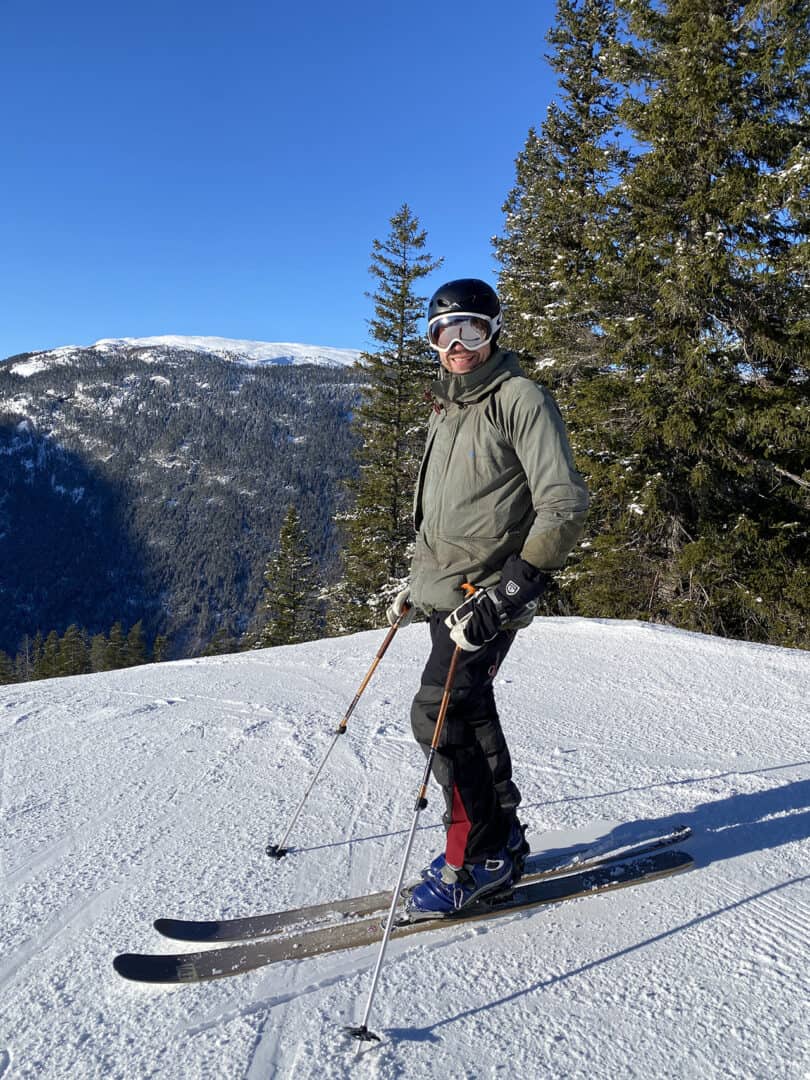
pixel 471 331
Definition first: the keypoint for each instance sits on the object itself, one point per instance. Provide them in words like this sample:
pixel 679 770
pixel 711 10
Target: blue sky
pixel 202 168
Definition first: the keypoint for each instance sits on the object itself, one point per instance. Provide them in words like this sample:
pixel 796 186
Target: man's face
pixel 458 360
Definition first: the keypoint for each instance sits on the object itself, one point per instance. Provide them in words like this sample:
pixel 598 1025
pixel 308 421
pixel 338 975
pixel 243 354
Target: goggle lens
pixel 471 331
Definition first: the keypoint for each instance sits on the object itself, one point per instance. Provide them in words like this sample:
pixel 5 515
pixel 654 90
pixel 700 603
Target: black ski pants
pixel 472 762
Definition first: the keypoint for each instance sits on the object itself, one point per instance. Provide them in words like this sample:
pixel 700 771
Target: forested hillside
pixel 151 483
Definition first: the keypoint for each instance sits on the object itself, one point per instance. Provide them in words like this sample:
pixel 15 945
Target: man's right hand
pixel 401 609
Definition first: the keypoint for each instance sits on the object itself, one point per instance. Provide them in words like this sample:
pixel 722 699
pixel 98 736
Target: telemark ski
pixel 538 867
pixel 235 959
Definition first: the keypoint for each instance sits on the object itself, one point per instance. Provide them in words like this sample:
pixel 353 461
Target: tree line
pixel 76 652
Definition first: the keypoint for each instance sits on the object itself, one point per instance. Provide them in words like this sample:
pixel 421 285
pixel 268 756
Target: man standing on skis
pixel 498 505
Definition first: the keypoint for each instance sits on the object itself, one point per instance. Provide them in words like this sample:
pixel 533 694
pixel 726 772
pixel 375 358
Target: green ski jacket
pixel 497 478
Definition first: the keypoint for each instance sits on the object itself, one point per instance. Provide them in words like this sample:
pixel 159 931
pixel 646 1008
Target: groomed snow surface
pixel 153 791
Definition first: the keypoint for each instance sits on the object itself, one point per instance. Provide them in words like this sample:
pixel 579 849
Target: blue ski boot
pixel 433 870
pixel 516 845
pixel 518 848
pixel 456 889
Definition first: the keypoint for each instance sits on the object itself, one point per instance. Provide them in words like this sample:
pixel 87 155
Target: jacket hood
pixel 476 384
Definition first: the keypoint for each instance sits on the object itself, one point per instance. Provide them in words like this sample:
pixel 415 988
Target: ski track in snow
pixel 153 791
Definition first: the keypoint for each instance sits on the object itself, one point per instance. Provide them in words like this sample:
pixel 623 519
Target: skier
pixel 498 506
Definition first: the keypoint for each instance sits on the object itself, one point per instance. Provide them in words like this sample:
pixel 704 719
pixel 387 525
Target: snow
pixel 248 353
pixel 153 791
pixel 27 368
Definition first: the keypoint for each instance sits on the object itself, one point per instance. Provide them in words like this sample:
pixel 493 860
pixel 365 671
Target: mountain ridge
pixel 234 350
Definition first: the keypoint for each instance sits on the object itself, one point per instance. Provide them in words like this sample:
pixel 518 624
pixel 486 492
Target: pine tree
pixel 390 424
pixel 26 658
pixel 7 672
pixel 702 465
pixel 675 312
pixel 557 213
pixel 290 609
pixel 116 653
pixel 48 663
pixel 160 649
pixel 74 654
pixel 98 653
pixel 135 651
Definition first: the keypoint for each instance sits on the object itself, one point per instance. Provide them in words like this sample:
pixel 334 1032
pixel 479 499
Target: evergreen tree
pixel 160 649
pixel 7 672
pixel 74 654
pixel 557 215
pixel 562 219
pixel 116 653
pixel 37 649
pixel 290 609
pixel 687 321
pixel 48 664
pixel 221 643
pixel 136 646
pixel 26 658
pixel 390 425
pixel 98 653
pixel 702 461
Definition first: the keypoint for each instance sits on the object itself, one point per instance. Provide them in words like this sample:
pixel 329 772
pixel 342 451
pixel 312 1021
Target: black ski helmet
pixel 469 295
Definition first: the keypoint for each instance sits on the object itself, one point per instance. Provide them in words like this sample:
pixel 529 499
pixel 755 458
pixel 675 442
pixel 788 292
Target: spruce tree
pixel 702 465
pixel 136 646
pixel 290 608
pixel 686 383
pixel 48 665
pixel 99 660
pixel 74 654
pixel 7 672
pixel 558 212
pixel 390 424
pixel 116 654
pixel 221 643
pixel 160 649
pixel 562 221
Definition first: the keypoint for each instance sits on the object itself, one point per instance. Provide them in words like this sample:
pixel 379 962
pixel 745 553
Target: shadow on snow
pixel 723 829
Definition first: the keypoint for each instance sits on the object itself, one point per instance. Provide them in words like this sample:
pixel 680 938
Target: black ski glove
pixel 477 621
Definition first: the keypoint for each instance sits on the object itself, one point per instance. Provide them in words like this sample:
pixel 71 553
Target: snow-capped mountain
pixel 251 353
pixel 148 478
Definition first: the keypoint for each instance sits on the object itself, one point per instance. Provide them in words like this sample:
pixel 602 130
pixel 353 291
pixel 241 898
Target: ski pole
pixel 361 1032
pixel 278 851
